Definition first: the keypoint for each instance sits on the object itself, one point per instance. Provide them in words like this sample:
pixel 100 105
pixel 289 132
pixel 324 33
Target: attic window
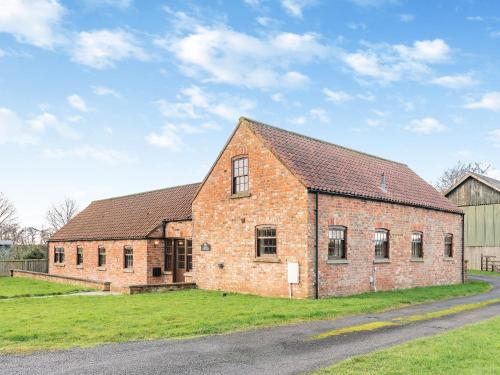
pixel 240 181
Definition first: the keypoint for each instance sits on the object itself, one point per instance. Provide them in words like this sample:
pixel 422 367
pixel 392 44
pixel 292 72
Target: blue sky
pixel 103 98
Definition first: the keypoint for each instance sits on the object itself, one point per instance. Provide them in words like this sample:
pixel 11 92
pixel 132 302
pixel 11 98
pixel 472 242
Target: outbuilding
pixel 479 197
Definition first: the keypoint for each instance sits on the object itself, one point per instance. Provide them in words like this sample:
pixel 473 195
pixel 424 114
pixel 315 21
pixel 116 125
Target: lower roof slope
pixel 331 168
pixel 129 217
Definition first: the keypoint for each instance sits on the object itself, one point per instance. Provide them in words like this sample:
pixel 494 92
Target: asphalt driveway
pixel 278 350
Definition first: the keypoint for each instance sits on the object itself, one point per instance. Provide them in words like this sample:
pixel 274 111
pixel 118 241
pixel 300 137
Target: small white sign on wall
pixel 293 273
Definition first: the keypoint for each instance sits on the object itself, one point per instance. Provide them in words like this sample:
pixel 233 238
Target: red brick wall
pixel 362 217
pixel 147 254
pixel 228 224
pixel 113 272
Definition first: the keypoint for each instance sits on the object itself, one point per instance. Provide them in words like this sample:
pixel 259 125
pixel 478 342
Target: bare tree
pixel 59 215
pixel 8 218
pixel 451 175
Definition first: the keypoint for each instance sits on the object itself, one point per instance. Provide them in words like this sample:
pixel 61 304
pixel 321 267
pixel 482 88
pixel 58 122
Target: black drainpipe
pixel 463 248
pixel 316 249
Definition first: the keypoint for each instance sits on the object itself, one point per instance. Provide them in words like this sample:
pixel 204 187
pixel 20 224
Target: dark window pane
pixel 336 244
pixel 101 257
pixel 240 175
pixel 169 254
pixel 448 245
pixel 128 257
pixel 189 256
pixel 266 241
pixel 416 245
pixel 381 244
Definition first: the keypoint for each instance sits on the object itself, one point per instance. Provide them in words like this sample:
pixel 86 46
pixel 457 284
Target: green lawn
pixel 21 287
pixel 53 323
pixel 473 349
pixel 483 273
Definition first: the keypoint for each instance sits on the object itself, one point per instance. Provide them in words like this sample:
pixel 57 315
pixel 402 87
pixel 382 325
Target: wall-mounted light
pixel 157 242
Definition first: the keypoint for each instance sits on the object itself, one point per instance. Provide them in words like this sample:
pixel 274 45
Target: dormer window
pixel 240 175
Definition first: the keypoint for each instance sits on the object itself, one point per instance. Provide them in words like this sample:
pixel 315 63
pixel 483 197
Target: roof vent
pixel 382 182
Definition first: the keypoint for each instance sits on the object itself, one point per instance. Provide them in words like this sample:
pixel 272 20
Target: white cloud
pixel 455 81
pixel 406 17
pixel 490 100
pixel 319 114
pixel 295 79
pixel 425 125
pixel 220 54
pixel 101 49
pixel 430 51
pixel 475 18
pixel 278 97
pixel 46 120
pixel 119 4
pixel 197 103
pixel 103 91
pixel 267 21
pixel 301 120
pixel 336 96
pixel 77 102
pixel 389 63
pixel 101 154
pixel 295 7
pixel 167 138
pixel 34 22
pixel 495 34
pixel 374 122
pixel 13 129
pixel 373 3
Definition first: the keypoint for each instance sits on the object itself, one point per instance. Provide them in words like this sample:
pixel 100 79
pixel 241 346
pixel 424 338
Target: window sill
pixel 128 270
pixel 448 259
pixel 240 195
pixel 417 260
pixel 59 265
pixel 381 261
pixel 101 268
pixel 337 261
pixel 79 267
pixel 167 273
pixel 267 260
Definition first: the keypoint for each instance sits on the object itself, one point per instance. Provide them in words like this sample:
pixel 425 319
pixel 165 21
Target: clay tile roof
pixel 129 217
pixel 330 168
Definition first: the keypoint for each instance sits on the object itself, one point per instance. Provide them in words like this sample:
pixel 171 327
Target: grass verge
pixel 57 323
pixel 483 273
pixel 22 287
pixel 469 350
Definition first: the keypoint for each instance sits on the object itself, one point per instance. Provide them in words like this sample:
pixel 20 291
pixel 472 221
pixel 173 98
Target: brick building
pixel 128 240
pixel 278 213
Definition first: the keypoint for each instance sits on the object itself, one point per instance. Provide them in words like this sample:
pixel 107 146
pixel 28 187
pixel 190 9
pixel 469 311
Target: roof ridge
pixel 146 192
pixel 321 140
pixel 484 176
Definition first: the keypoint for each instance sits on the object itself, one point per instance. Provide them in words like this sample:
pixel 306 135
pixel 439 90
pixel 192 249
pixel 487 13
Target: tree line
pixel 31 242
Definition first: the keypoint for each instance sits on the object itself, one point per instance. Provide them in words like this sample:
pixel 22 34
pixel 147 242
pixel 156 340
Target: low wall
pixel 152 288
pixel 102 285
